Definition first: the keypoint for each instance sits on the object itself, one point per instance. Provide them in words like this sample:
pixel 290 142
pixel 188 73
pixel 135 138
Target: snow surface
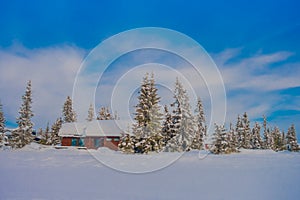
pixel 38 172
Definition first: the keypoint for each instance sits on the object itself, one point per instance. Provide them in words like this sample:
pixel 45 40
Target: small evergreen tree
pixel 256 141
pixel 291 137
pixel 105 114
pixel 54 138
pixel 23 134
pixel 221 142
pixel 90 113
pixel 198 139
pixel 239 129
pixel 267 137
pixel 167 128
pixel 69 114
pixel 127 144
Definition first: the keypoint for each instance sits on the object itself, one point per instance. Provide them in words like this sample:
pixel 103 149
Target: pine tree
pixel 267 138
pixel 23 134
pixel 2 126
pixel 183 121
pixel 148 116
pixel 54 138
pixel 69 114
pixel 246 133
pixel 45 135
pixel 221 142
pixel 104 114
pixel 127 144
pixel 198 139
pixel 232 139
pixel 256 141
pixel 167 127
pixel 239 129
pixel 278 144
pixel 291 137
pixel 2 120
pixel 90 113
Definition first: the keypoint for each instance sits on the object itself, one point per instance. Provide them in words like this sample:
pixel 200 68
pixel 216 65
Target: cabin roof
pixel 93 128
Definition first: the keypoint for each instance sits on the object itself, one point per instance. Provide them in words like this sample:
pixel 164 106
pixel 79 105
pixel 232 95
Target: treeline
pixel 182 130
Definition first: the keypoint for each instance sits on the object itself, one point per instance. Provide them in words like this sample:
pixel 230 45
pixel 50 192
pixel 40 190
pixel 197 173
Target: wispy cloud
pixel 52 71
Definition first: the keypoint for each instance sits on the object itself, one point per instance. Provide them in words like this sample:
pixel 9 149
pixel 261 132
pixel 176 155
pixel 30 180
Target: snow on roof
pixel 93 128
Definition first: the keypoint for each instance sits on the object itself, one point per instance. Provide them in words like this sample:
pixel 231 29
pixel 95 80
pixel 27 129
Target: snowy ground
pixel 33 173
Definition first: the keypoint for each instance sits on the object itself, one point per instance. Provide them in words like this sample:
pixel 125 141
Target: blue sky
pixel 255 45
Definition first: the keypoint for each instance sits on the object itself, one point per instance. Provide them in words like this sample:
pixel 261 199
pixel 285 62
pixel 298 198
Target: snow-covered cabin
pixel 92 135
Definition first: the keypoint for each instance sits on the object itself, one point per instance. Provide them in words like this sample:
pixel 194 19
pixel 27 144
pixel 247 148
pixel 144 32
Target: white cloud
pixel 52 71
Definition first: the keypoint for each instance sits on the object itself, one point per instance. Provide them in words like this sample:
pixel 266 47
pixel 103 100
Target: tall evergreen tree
pixel 246 133
pixel 90 113
pixel 69 114
pixel 2 126
pixel 267 137
pixel 292 139
pixel 198 139
pixel 2 120
pixel 185 132
pixel 23 134
pixel 147 116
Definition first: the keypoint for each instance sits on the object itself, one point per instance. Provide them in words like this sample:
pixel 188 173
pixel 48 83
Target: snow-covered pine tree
pixel 104 114
pixel 54 138
pixel 148 116
pixel 126 144
pixel 90 116
pixel 239 129
pixel 291 137
pixel 232 139
pixel 221 143
pixel 167 126
pixel 256 141
pixel 246 133
pixel 267 137
pixel 45 135
pixel 183 121
pixel 2 126
pixel 200 133
pixel 23 134
pixel 69 114
pixel 2 120
pixel 278 144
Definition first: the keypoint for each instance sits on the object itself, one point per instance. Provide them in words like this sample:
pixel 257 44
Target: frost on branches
pixel 105 114
pixel 23 134
pixel 183 120
pixel 69 114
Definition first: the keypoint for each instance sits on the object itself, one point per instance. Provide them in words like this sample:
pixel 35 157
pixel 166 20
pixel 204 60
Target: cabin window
pixel 81 142
pixel 98 142
pixel 109 139
pixel 74 141
pixel 116 139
